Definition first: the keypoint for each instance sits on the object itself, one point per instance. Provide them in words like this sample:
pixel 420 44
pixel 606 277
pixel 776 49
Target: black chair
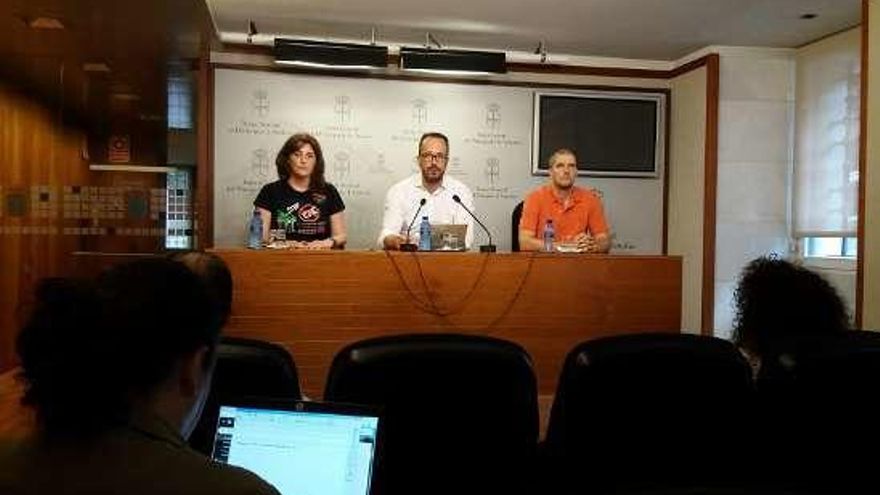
pixel 648 411
pixel 819 404
pixel 514 227
pixel 245 367
pixel 461 411
pixel 834 367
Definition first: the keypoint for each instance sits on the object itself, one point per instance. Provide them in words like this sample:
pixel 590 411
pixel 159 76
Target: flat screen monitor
pixel 613 133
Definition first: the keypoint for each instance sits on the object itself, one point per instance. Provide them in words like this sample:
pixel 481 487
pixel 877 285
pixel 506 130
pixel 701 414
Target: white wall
pixel 687 144
pixel 755 125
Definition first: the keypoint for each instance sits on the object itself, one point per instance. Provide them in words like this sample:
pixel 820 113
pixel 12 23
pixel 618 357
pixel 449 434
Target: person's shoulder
pixel 536 193
pixel 456 185
pixel 234 480
pixel 331 190
pixel 403 184
pixel 273 186
pixel 204 475
pixel 586 193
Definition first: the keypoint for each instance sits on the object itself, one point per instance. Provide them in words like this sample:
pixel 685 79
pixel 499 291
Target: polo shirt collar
pixel 575 196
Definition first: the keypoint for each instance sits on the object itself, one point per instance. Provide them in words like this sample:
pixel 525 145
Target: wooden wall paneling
pixel 36 151
pixel 204 190
pixel 863 160
pixel 710 194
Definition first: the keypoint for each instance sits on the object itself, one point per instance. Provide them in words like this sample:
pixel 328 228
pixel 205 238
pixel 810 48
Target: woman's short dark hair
pixel 292 145
pixel 91 350
pixel 777 300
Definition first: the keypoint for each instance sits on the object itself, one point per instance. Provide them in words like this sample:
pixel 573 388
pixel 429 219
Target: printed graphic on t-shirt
pixel 309 213
pixel 302 219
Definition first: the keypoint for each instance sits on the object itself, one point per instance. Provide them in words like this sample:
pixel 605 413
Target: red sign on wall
pixel 119 149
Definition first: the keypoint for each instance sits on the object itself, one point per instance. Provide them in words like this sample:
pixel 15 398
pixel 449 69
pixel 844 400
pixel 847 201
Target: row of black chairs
pixel 634 414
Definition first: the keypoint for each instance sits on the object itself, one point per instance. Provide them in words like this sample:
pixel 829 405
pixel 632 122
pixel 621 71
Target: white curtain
pixel 827 137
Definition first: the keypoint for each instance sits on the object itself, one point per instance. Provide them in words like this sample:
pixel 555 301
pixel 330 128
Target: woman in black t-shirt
pixel 301 202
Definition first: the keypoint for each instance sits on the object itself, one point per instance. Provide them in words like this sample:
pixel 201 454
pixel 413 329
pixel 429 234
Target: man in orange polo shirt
pixel 576 212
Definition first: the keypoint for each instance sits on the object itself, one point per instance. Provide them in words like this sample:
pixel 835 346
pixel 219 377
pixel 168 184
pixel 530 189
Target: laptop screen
pixel 300 451
pixel 448 237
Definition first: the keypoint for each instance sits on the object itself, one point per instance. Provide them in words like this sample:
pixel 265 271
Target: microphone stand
pixel 485 248
pixel 408 246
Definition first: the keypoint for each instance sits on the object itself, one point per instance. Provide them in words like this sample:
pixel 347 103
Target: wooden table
pixel 314 303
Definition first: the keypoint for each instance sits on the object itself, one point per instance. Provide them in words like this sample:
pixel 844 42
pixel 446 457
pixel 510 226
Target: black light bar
pixel 452 61
pixel 309 53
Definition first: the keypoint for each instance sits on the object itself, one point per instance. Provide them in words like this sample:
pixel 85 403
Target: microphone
pixel 408 246
pixel 485 248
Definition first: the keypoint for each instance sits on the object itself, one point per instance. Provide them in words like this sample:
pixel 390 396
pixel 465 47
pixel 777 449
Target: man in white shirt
pixel 403 198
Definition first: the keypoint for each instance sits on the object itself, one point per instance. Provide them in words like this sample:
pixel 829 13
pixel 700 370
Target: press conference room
pixel 576 247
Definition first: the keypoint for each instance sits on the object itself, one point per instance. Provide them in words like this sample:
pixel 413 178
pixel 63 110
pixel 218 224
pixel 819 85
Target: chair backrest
pixel 245 367
pixel 625 404
pixel 843 366
pixel 514 226
pixel 460 411
pixel 819 407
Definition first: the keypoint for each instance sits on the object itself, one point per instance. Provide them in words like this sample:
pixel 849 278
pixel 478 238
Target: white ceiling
pixel 635 29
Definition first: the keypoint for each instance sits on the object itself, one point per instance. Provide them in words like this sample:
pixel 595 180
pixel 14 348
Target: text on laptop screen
pixel 299 452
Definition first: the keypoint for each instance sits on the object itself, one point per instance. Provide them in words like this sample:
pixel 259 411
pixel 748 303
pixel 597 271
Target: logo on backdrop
pixel 260 102
pixel 260 163
pixel 342 109
pixel 493 170
pixel 380 166
pixel 341 165
pixel 493 116
pixel 419 112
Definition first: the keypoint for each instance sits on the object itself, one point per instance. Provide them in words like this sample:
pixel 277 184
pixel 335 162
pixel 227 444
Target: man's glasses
pixel 433 157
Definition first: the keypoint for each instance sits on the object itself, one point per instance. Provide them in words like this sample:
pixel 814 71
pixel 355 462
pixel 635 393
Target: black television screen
pixel 612 133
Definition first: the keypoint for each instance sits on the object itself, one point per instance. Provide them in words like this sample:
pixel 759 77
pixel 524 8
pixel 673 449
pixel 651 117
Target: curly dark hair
pixel 777 300
pixel 317 182
pixel 92 349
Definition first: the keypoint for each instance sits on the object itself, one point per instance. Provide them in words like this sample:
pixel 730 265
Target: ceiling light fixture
pixel 431 40
pixel 541 50
pixel 308 53
pixel 95 67
pixel 252 31
pixel 125 96
pixel 44 22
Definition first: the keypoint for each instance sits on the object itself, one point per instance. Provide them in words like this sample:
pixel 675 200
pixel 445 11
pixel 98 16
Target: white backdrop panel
pixel 369 131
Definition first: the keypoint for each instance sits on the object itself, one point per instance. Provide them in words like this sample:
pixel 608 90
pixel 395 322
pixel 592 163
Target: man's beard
pixel 564 187
pixel 432 176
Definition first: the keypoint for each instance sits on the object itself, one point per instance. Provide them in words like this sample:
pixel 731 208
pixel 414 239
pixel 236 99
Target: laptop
pixel 448 237
pixel 300 447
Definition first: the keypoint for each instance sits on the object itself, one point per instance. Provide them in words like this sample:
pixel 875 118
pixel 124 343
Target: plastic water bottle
pixel 255 231
pixel 549 235
pixel 425 235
